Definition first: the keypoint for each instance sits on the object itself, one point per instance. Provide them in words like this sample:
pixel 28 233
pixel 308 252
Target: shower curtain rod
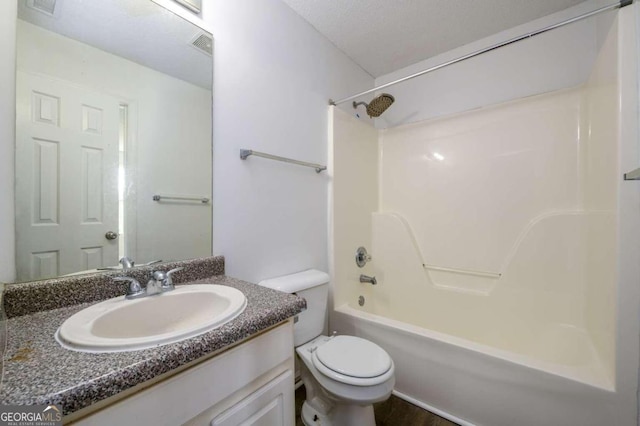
pixel 617 5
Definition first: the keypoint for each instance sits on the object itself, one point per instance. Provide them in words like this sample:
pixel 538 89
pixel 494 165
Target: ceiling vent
pixel 47 7
pixel 204 43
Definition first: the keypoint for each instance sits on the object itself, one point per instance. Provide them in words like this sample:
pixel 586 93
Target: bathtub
pixel 473 384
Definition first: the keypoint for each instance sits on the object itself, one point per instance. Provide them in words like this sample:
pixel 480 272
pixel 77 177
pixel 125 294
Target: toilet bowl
pixel 343 375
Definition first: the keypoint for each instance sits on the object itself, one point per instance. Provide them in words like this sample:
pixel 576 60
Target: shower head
pixel 378 105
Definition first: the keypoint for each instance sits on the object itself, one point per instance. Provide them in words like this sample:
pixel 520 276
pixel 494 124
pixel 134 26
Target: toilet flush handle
pixel 312 349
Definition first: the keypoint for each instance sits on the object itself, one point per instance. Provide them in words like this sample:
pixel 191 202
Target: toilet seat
pixel 352 360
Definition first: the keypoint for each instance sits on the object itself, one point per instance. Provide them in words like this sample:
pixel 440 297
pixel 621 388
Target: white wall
pixel 353 166
pixel 8 11
pixel 273 77
pixel 555 60
pixel 503 196
pixel 171 133
pixel 599 174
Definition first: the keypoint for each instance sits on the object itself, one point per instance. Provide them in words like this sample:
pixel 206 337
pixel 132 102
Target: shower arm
pixel 617 5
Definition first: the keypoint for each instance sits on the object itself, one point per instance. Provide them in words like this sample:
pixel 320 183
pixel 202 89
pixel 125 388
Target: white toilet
pixel 343 375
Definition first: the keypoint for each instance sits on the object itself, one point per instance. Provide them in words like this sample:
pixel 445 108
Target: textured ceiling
pixel 385 35
pixel 138 30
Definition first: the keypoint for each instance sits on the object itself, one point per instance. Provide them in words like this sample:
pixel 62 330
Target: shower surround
pixel 503 249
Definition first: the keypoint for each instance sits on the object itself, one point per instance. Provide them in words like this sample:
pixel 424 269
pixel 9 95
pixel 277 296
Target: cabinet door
pixel 271 405
pixel 207 388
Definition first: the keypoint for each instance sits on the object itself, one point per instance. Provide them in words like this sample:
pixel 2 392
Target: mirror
pixel 113 136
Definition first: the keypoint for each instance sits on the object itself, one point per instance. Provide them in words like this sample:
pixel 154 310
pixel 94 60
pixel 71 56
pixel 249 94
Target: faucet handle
pixel 164 278
pixel 362 257
pixel 159 275
pixel 134 290
pixel 169 280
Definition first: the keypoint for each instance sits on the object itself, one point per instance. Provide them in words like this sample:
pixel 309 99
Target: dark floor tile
pixel 403 413
pixel 439 421
pixel 392 412
pixel 301 395
pixel 382 410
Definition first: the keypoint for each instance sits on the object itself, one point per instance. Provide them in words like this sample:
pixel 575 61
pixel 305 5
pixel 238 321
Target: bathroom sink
pixel 118 324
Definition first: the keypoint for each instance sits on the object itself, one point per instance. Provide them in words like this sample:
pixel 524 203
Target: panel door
pixel 66 177
pixel 271 405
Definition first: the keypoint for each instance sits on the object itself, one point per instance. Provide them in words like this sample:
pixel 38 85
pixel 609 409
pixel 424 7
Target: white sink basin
pixel 118 324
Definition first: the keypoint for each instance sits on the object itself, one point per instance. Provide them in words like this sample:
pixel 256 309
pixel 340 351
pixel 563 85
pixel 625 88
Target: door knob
pixel 111 235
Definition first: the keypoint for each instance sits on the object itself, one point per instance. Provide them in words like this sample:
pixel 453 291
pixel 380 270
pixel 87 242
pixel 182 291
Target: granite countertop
pixel 37 370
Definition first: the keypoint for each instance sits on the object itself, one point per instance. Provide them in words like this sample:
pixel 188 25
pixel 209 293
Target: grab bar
pixel 428 267
pixel 203 200
pixel 463 271
pixel 632 175
pixel 244 153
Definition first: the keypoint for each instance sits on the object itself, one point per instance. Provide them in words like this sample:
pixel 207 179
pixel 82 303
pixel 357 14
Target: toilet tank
pixel 313 286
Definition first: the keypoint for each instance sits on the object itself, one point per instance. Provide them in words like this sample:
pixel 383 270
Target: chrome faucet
pixel 368 279
pixel 126 262
pixel 159 283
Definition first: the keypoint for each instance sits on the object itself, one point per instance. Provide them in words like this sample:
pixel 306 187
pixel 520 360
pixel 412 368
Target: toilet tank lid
pixel 297 282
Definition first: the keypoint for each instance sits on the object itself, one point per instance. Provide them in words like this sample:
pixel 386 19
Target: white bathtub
pixel 473 384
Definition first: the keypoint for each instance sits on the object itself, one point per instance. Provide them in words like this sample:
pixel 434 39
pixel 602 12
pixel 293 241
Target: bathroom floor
pixel 392 412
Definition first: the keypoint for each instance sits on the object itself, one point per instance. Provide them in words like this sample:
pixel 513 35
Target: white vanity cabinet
pixel 250 384
pixel 269 405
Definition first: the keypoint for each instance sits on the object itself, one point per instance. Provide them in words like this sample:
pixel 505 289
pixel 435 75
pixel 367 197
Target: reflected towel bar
pixel 244 153
pixel 202 200
pixel 633 175
pixel 463 271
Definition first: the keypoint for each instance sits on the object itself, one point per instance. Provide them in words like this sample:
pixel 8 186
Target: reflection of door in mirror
pixel 114 108
pixel 67 173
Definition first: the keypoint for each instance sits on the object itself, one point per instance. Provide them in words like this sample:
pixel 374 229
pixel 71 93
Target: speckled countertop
pixel 37 370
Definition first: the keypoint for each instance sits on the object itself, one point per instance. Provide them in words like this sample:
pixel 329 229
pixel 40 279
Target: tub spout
pixel 368 279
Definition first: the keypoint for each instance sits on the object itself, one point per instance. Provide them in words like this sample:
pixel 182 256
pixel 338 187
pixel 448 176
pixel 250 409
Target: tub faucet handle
pixel 362 257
